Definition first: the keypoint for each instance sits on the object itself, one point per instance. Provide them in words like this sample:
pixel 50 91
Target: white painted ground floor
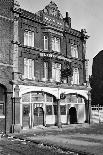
pixel 39 106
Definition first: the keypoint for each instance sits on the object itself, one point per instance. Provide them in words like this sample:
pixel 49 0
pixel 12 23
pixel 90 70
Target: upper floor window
pixel 74 51
pixel 56 71
pixel 29 38
pixel 46 70
pixel 45 42
pixel 28 68
pixel 56 44
pixel 75 78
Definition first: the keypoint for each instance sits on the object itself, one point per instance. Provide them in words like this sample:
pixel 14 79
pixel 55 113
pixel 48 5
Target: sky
pixel 85 14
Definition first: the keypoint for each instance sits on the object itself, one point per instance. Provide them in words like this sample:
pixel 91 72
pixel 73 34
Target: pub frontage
pixel 39 106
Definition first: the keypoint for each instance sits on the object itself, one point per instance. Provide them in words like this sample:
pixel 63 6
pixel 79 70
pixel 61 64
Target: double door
pixel 33 115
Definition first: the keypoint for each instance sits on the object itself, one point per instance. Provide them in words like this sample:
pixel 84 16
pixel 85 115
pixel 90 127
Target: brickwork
pixel 12 50
pixel 6 53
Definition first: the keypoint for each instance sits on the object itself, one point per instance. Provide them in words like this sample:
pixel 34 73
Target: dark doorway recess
pixel 73 115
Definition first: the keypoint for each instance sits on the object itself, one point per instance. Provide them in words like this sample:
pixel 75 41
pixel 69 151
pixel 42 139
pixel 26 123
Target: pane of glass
pixel 79 99
pixel 1 96
pixel 30 68
pixel 45 43
pixel 49 98
pixel 25 38
pixel 26 97
pixel 26 110
pixel 63 109
pixel 1 109
pixel 53 44
pixel 74 99
pixel 37 97
pixel 49 109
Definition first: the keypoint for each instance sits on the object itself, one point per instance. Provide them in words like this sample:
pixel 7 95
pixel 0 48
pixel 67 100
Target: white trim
pixel 2 116
pixel 54 91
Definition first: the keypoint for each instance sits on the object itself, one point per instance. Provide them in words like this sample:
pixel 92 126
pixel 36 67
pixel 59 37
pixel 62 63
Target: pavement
pixel 79 138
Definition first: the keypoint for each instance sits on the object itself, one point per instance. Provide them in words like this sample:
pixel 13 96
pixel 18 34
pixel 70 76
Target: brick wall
pixel 6 51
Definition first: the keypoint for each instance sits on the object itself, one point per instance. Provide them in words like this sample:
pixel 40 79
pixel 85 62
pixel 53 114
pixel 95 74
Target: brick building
pixel 49 71
pixel 97 79
pixel 6 61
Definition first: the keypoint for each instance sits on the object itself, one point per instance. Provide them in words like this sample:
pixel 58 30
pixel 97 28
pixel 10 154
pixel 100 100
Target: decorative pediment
pixel 52 10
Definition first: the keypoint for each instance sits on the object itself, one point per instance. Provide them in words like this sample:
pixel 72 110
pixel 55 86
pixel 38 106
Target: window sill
pixel 2 116
pixel 25 78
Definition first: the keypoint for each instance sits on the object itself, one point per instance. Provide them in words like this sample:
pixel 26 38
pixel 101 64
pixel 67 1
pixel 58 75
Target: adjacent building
pixel 45 68
pixel 97 79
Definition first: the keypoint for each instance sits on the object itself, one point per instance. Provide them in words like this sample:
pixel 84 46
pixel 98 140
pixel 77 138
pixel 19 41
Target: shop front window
pixel 26 110
pixel 49 109
pixel 1 108
pixel 63 109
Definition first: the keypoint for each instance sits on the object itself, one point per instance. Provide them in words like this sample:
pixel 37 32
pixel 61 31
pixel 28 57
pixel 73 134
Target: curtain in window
pixel 28 68
pixel 74 51
pixel 46 70
pixel 29 38
pixel 45 43
pixel 56 71
pixel 75 77
pixel 56 44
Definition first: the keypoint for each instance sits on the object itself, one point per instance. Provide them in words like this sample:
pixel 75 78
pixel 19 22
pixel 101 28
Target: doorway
pixel 73 115
pixel 26 118
pixel 38 116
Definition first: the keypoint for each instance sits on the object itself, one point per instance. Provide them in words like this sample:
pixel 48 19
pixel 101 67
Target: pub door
pixel 73 115
pixel 38 116
pixel 26 115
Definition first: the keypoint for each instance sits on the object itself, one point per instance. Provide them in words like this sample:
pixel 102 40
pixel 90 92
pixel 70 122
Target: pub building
pixel 50 69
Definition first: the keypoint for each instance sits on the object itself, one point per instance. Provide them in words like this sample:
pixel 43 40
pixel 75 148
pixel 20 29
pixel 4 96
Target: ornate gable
pixel 52 10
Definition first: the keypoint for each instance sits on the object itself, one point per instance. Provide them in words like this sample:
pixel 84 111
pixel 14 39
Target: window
pixel 75 78
pixel 28 68
pixel 63 109
pixel 29 38
pixel 56 44
pixel 46 70
pixel 26 110
pixel 74 51
pixel 49 109
pixel 1 108
pixel 45 43
pixel 56 72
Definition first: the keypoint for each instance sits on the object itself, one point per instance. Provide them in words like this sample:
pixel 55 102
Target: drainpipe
pixel 59 114
pixel 89 105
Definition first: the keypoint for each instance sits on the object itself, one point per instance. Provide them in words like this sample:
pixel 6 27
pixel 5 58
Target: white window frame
pixel 45 42
pixel 56 71
pixel 28 68
pixel 74 51
pixel 29 38
pixel 75 77
pixel 56 44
